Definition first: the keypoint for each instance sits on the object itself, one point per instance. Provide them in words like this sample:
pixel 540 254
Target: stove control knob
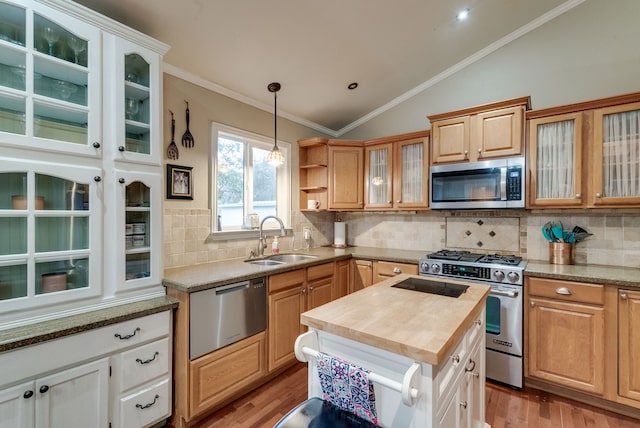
pixel 435 268
pixel 424 267
pixel 513 276
pixel 499 275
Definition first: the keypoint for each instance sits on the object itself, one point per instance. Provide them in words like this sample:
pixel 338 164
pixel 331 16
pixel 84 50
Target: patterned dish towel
pixel 347 386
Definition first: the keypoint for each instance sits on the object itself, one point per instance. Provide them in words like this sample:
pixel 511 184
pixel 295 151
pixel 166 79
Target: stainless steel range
pixel 504 305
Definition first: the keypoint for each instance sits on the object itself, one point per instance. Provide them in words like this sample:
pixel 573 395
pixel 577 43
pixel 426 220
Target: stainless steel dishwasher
pixel 223 315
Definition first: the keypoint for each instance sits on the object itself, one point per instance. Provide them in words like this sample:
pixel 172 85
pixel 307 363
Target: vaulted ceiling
pixel 315 49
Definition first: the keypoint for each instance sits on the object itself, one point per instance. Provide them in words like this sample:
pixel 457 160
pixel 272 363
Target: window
pixel 244 183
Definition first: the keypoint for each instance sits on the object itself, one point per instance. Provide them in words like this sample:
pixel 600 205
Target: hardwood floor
pixel 506 408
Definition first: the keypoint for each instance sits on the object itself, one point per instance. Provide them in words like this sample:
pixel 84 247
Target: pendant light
pixel 275 157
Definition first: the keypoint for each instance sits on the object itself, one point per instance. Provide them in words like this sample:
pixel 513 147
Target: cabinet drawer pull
pixel 128 336
pixel 397 270
pixel 564 291
pixel 455 358
pixel 146 406
pixel 138 360
pixel 44 388
pixel 472 368
pixel 28 394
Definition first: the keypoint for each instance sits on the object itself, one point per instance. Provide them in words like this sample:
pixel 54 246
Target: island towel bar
pixel 307 344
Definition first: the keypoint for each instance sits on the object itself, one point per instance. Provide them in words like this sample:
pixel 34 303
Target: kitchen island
pixel 390 330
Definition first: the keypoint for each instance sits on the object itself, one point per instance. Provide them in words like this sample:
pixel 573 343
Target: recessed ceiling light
pixel 462 15
pixel 353 85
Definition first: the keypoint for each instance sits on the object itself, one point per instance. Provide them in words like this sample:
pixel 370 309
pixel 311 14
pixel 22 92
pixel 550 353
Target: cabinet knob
pixel 304 290
pixel 479 322
pixel 532 304
pixel 466 154
pixel 455 358
pixel 463 404
pixel 479 151
pixel 472 368
pixel 44 388
pixel 397 270
pixel 398 201
pixel 121 148
pixel 598 195
pixel 623 296
pixel 310 288
pixel 578 195
pixel 97 179
pixel 121 180
pixel 96 145
pixel 388 202
pixel 28 394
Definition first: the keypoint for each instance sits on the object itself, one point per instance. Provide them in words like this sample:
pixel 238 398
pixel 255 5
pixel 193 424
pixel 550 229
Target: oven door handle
pixel 510 293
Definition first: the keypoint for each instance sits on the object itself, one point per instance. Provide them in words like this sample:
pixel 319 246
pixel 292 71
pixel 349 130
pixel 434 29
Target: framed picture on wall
pixel 179 182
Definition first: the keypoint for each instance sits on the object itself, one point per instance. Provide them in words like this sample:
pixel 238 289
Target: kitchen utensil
pixel 546 232
pixel 557 230
pixel 172 150
pixel 187 138
pixel 580 233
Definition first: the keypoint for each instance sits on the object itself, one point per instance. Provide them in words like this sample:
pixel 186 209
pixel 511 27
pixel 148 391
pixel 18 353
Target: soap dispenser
pixel 275 247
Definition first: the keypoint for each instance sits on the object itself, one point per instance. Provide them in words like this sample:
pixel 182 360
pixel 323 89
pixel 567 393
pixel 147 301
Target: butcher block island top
pixel 418 325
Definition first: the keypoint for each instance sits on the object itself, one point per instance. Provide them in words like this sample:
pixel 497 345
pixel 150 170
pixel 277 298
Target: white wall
pixel 589 52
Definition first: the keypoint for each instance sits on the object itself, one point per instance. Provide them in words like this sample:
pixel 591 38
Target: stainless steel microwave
pixel 497 183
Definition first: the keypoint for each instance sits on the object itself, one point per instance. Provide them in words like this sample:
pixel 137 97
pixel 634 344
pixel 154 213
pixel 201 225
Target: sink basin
pixel 265 262
pixel 290 258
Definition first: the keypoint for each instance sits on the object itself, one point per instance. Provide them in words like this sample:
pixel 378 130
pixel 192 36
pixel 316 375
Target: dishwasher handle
pixel 232 288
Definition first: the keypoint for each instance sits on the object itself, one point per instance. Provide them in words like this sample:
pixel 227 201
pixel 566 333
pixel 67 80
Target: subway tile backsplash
pixel 615 240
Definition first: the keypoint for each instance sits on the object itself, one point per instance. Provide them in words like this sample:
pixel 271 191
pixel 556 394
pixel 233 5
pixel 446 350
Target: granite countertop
pixel 199 277
pixel 420 326
pixel 17 337
pixel 596 274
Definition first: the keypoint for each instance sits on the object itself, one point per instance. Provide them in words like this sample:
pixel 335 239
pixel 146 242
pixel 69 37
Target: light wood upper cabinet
pixel 478 133
pixel 603 135
pixel 346 176
pixel 313 163
pixel 629 345
pixel 615 155
pixel 555 159
pixel 397 172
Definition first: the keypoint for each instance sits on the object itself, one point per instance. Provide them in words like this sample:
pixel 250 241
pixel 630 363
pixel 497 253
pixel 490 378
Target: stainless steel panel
pixel 505 368
pixel 223 315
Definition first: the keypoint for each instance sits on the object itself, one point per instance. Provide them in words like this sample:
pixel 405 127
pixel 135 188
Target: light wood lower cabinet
pixel 629 345
pixel 566 329
pixel 221 374
pixel 361 274
pixel 384 270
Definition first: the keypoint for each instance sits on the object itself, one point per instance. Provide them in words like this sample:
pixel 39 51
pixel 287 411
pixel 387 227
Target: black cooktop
pixel 468 256
pixel 433 287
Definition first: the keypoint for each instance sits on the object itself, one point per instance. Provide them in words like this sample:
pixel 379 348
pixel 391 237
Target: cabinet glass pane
pixel 138 266
pixel 138 195
pixel 60 89
pixel 378 164
pixel 136 70
pixel 136 104
pixel 556 165
pixel 61 194
pixel 62 233
pixel 12 115
pixel 13 231
pixel 621 154
pixel 13 281
pixel 54 40
pixel 12 68
pixel 62 275
pixel 12 24
pixel 13 191
pixel 412 173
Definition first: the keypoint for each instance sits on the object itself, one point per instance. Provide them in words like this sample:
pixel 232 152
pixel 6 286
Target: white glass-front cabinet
pixel 50 80
pixel 51 228
pixel 139 236
pixel 134 79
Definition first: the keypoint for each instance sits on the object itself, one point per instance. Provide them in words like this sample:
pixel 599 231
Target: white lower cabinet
pixel 114 376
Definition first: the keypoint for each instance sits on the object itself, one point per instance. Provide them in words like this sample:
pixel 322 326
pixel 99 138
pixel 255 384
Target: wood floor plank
pixel 505 407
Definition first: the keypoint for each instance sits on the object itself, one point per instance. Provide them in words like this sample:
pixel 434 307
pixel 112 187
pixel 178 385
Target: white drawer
pixel 145 407
pixel 28 362
pixel 455 363
pixel 142 364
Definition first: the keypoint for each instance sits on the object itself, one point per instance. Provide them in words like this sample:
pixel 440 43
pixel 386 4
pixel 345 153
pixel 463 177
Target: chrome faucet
pixel 262 242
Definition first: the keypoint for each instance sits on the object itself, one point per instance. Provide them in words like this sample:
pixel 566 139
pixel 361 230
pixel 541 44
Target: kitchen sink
pixel 265 262
pixel 290 258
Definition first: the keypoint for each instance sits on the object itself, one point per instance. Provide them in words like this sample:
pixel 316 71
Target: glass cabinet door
pixel 136 80
pixel 555 154
pixel 616 155
pixel 49 80
pixel 50 227
pixel 378 186
pixel 139 233
pixel 410 173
